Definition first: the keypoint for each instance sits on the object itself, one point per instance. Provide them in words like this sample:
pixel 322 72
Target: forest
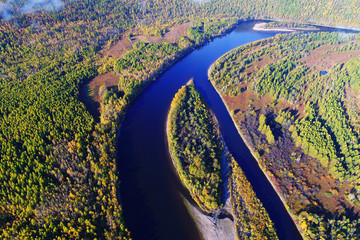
pixel 52 149
pixel 195 147
pixel 197 152
pixel 252 220
pixel 52 146
pixel 294 99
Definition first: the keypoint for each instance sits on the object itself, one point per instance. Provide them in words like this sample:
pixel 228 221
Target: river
pixel 151 193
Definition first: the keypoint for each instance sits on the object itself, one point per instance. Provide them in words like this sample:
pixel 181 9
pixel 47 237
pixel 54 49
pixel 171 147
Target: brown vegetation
pixel 326 57
pixel 110 80
pixel 175 32
pixel 276 90
pixel 119 49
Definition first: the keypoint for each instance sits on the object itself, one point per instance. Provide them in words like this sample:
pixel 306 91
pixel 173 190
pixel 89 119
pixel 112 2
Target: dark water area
pixel 151 193
pixel 323 72
pixel 91 106
pixel 333 29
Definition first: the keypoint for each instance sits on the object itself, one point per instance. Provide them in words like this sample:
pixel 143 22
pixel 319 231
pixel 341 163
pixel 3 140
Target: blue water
pixel 150 190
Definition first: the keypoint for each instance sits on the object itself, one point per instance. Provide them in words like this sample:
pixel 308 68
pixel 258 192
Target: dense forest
pixel 197 153
pixel 52 149
pixel 252 220
pixel 195 147
pixel 54 178
pixel 58 167
pixel 293 97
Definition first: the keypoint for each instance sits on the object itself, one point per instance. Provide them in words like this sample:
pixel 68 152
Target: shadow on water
pixel 151 193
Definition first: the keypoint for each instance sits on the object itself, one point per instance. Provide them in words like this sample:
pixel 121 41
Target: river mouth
pixel 152 195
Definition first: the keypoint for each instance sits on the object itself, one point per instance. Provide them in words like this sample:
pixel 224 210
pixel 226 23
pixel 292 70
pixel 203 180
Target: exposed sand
pixel 261 27
pixel 214 228
pixel 211 228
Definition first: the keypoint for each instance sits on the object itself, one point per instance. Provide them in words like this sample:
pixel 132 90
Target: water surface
pixel 323 72
pixel 151 193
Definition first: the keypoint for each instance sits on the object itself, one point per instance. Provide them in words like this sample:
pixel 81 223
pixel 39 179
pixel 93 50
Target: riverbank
pixel 220 224
pixel 250 216
pixel 262 27
pixel 150 189
pixel 89 91
pixel 253 153
pixel 116 119
pixel 214 228
pixel 195 147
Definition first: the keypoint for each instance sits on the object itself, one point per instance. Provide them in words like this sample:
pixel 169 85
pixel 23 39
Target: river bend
pixel 151 193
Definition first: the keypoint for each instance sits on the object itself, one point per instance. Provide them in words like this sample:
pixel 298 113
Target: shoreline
pixel 251 149
pixel 147 82
pixel 213 228
pixel 262 27
pixel 158 72
pixel 210 227
pixel 175 167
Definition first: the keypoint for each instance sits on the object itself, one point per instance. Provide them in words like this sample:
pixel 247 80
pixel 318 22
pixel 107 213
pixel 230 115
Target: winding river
pixel 151 194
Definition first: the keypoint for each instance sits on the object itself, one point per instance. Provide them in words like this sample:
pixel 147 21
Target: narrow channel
pixel 151 194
